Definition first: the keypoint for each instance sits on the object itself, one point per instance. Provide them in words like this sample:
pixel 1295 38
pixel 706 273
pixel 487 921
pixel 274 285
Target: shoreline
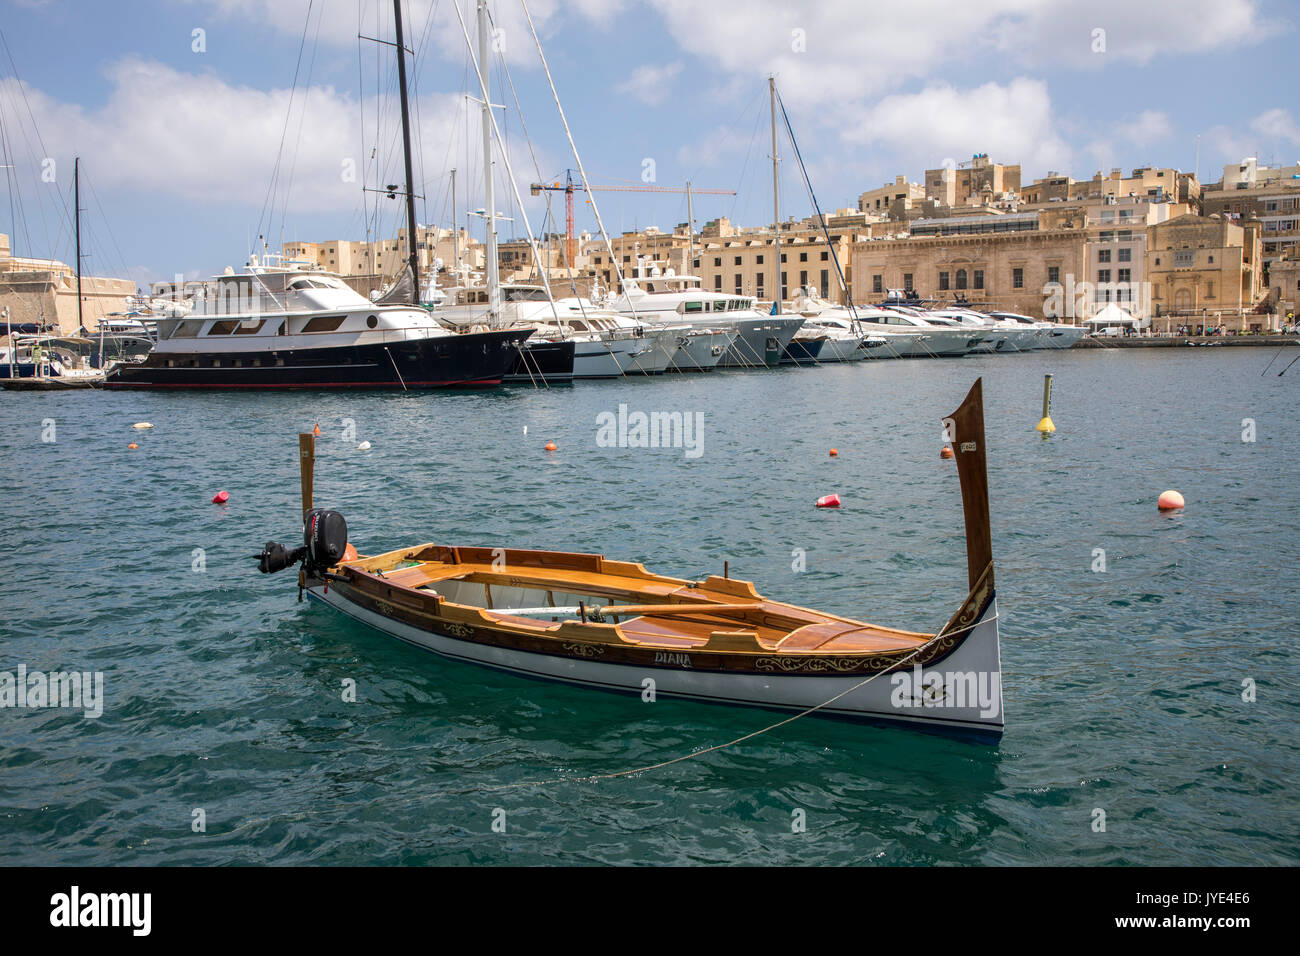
pixel 1172 341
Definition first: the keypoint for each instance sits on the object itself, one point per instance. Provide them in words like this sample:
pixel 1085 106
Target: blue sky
pixel 179 145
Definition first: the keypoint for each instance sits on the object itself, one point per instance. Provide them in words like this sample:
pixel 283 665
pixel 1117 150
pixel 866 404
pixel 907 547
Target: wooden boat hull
pixel 612 625
pixel 782 687
pixel 714 641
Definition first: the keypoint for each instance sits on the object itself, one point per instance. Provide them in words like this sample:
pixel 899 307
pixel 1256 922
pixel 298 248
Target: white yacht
pixel 285 324
pixel 1052 335
pixel 604 344
pixel 722 330
pixel 943 337
pixel 846 341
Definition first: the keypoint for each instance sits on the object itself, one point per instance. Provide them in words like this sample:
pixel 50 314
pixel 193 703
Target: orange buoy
pixel 1170 501
pixel 550 446
pixel 220 498
pixel 835 452
pixel 316 429
pixel 133 445
pixel 349 552
pixel 828 501
pixel 945 452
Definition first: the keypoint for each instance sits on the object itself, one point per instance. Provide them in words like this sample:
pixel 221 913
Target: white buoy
pixel 142 425
pixel 364 446
pixel 525 430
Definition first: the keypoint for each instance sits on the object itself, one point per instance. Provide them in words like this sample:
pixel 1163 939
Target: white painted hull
pixel 658 357
pixel 878 699
pixel 604 358
pixel 1062 336
pixel 700 350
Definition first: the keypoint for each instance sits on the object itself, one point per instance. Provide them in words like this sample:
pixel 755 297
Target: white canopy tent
pixel 1113 315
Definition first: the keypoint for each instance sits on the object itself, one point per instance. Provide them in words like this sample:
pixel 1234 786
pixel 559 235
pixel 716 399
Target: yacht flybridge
pixel 290 325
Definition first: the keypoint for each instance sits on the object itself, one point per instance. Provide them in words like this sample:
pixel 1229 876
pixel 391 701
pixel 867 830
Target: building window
pixel 803 257
pixel 1209 290
pixel 717 262
pixel 877 283
pixel 826 283
pixel 907 281
pixel 783 287
pixel 1103 275
pixel 1017 278
pixel 759 259
pixel 943 281
pixel 737 260
pixel 824 255
pixel 803 278
pixel 1126 255
pixel 979 278
pixel 717 283
pixel 961 278
pixel 1211 260
pixel 1103 255
pixel 783 257
pixel 1183 259
pixel 1054 274
pixel 737 278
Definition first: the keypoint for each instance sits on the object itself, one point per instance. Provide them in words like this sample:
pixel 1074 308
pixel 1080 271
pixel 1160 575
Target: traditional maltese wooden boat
pixel 585 619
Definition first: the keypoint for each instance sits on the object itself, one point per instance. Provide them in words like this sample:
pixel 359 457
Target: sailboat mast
pixel 776 202
pixel 455 232
pixel 412 237
pixel 489 194
pixel 690 233
pixel 76 206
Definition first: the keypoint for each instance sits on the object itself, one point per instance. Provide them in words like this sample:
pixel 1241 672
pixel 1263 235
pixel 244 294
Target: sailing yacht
pixel 286 324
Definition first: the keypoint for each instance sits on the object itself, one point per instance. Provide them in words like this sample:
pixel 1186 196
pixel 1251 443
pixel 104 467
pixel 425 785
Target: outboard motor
pixel 324 539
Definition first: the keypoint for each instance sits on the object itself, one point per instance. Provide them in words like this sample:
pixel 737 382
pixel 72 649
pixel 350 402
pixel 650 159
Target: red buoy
pixel 1170 501
pixel 550 446
pixel 829 501
pixel 835 452
pixel 220 498
pixel 945 452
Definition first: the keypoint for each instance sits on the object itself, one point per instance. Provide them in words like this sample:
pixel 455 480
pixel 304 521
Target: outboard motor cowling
pixel 325 536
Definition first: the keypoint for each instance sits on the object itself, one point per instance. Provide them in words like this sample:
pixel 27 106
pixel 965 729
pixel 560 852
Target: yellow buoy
pixel 1045 425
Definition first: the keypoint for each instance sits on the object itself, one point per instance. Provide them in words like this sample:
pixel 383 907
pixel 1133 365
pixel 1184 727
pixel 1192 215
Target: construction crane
pixel 569 187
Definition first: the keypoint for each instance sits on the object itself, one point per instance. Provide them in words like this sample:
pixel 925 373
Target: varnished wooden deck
pixel 764 626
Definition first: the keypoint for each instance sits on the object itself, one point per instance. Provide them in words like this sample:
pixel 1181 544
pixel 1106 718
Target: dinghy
pixel 588 620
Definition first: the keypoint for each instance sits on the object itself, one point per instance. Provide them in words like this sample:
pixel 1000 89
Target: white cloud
pixel 166 133
pixel 1014 121
pixel 650 83
pixel 843 50
pixel 1148 127
pixel 1278 124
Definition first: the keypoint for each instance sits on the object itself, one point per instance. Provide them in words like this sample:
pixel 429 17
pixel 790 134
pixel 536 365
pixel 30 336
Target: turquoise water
pixel 1123 688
